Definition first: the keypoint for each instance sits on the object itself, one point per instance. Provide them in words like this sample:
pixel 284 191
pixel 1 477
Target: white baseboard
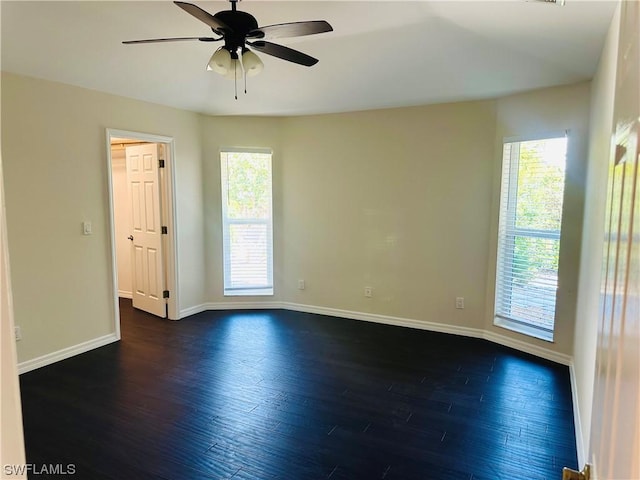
pixel 435 327
pixel 192 310
pixel 528 348
pixel 125 294
pixel 582 458
pixel 385 319
pixel 48 359
pixel 388 320
pixel 229 306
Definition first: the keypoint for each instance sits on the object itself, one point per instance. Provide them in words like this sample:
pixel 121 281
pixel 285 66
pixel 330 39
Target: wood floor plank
pixel 287 395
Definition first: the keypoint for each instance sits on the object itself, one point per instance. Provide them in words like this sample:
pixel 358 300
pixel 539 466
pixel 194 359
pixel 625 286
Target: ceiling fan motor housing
pixel 240 24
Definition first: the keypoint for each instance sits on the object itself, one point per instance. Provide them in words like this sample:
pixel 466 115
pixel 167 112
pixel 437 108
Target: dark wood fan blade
pixel 293 29
pixel 284 53
pixel 203 16
pixel 175 39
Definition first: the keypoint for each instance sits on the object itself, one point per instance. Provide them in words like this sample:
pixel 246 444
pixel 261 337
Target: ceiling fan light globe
pixel 220 61
pixel 235 70
pixel 251 63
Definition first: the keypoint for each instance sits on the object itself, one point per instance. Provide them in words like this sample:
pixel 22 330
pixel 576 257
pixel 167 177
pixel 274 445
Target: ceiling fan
pixel 240 30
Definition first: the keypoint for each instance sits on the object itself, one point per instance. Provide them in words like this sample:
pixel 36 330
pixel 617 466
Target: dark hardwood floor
pixel 279 394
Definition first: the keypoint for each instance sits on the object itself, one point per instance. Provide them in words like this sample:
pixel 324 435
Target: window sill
pixel 523 329
pixel 249 292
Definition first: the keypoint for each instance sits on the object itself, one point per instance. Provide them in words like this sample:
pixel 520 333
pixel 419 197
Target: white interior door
pixel 148 279
pixel 615 431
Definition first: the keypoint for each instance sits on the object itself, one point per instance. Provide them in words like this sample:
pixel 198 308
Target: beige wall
pixel 402 200
pixel 551 110
pixel 589 286
pixel 54 153
pixel 397 200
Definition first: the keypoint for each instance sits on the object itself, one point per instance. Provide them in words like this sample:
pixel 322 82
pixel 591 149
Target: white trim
pixel 12 449
pixel 436 327
pixel 528 348
pixel 112 238
pixel 522 328
pixel 249 292
pixel 267 151
pixel 519 345
pixel 244 288
pixel 387 320
pixel 254 305
pixel 582 458
pixel 65 353
pixel 205 307
pixel 125 294
pixel 512 311
pixel 537 136
pixel 171 250
pixel 187 312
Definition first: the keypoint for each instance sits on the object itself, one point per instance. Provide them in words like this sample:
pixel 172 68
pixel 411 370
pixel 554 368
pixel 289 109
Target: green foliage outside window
pixel 249 187
pixel 541 168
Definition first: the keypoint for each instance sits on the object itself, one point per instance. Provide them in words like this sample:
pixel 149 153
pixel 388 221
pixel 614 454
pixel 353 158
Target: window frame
pixel 228 290
pixel 512 231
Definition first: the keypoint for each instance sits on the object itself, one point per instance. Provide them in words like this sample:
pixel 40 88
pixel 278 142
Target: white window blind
pixel 533 177
pixel 247 222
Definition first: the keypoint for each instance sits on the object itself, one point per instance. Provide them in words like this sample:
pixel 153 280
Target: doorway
pixel 133 257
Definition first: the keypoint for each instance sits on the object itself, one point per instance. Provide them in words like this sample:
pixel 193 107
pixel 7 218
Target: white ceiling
pixel 381 54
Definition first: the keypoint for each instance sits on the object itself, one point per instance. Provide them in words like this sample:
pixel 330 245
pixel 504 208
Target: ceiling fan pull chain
pixel 235 78
pixel 244 71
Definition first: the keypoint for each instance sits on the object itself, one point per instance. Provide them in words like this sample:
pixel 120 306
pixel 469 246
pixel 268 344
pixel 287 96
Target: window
pixel 247 222
pixel 533 174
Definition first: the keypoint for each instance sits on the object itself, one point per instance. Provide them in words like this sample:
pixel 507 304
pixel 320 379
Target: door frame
pixel 168 200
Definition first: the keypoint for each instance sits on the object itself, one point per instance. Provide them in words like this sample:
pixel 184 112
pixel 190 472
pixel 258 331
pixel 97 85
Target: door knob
pixel 130 237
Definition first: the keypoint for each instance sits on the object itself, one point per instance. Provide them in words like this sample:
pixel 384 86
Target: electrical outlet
pixel 368 292
pixel 301 285
pixel 459 302
pixel 18 333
